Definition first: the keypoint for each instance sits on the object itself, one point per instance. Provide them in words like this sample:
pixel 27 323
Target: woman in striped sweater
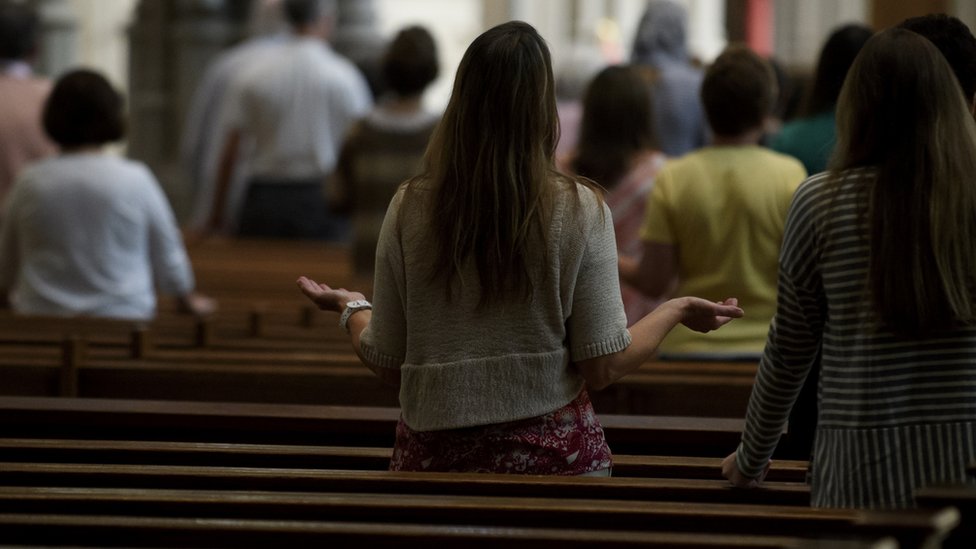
pixel 877 273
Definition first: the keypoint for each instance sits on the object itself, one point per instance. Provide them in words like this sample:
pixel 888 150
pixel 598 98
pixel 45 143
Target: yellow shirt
pixel 723 210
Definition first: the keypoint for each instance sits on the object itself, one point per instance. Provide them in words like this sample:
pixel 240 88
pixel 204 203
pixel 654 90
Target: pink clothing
pixel 22 138
pixel 627 201
pixel 567 441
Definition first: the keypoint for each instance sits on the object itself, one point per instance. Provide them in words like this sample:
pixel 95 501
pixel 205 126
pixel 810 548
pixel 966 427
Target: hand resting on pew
pixel 197 304
pixel 730 470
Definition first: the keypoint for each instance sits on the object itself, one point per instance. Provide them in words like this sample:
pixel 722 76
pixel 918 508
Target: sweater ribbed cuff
pixel 608 346
pixel 377 358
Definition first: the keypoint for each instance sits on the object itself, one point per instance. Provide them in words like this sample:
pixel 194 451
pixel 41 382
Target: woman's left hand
pixel 704 316
pixel 325 297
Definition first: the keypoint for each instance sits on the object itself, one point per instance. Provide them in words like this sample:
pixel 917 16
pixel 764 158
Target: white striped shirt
pixel 895 413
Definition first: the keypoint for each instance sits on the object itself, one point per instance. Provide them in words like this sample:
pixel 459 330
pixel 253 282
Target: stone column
pixel 171 43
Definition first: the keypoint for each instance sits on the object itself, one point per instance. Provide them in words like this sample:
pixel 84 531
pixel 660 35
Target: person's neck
pixel 312 30
pixel 748 137
pixel 404 105
pixel 81 149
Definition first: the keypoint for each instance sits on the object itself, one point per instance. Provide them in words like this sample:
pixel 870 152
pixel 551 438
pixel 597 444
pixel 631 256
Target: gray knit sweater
pixel 461 366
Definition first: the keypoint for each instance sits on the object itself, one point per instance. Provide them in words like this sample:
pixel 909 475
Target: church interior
pixel 394 273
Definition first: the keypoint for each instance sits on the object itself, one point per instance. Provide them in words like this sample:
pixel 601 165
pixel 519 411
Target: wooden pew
pixel 210 376
pixel 153 531
pixel 313 425
pixel 114 360
pixel 216 478
pixel 911 529
pixel 125 452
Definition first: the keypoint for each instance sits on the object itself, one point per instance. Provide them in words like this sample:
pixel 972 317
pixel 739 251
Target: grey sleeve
pixel 170 264
pixel 597 324
pixel 384 341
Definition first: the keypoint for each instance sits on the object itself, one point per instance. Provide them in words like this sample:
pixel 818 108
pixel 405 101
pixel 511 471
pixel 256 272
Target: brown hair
pixel 738 92
pixel 490 162
pixel 84 109
pixel 617 123
pixel 902 112
pixel 410 62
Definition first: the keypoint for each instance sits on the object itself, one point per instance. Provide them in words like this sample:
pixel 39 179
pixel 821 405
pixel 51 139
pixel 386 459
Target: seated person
pixel 85 232
pixel 714 220
pixel 387 147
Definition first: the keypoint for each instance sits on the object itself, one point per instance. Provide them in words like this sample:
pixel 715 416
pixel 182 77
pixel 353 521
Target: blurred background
pixel 157 50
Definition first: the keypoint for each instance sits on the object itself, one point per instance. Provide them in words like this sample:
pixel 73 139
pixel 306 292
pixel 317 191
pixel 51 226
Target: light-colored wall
pixel 102 36
pixel 605 25
pixel 90 33
pixel 802 26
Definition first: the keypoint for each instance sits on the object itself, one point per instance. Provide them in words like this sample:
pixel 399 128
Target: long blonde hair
pixel 490 163
pixel 901 112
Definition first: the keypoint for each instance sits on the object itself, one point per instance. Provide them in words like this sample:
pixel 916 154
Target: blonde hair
pixel 490 163
pixel 901 111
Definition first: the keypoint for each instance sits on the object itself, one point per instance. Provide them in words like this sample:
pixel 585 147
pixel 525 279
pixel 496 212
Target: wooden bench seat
pixel 99 530
pixel 342 380
pixel 126 452
pixel 911 529
pixel 362 482
pixel 79 418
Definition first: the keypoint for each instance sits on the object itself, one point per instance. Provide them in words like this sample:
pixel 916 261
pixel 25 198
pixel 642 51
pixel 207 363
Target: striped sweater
pixel 895 413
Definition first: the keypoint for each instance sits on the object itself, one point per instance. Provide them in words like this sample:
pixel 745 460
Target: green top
pixel 810 140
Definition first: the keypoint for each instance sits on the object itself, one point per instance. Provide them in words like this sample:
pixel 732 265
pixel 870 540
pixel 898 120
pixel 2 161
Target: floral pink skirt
pixel 567 441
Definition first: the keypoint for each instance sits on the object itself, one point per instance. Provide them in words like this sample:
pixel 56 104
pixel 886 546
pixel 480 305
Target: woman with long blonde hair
pixel 496 299
pixel 877 274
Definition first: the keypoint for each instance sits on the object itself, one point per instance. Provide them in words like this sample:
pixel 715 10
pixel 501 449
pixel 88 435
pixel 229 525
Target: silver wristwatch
pixel 351 308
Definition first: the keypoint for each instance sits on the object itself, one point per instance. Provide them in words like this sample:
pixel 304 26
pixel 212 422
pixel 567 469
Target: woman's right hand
pixel 326 298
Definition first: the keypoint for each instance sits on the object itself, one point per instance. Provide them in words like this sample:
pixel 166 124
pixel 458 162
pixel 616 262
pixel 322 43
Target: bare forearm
pixel 225 171
pixel 646 335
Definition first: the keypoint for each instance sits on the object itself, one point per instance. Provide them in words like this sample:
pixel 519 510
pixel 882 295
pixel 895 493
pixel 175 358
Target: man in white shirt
pixel 295 107
pixel 204 129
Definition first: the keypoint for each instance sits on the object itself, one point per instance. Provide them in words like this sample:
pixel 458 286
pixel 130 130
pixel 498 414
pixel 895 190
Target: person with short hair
pixel 660 42
pixel 714 220
pixel 386 147
pixel 876 283
pixel 495 293
pixel 87 233
pixel 295 107
pixel 22 139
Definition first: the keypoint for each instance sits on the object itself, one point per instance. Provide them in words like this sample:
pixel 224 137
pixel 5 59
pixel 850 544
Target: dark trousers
pixel 289 209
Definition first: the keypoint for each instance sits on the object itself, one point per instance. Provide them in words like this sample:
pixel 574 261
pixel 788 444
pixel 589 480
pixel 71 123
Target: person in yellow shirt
pixel 714 221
